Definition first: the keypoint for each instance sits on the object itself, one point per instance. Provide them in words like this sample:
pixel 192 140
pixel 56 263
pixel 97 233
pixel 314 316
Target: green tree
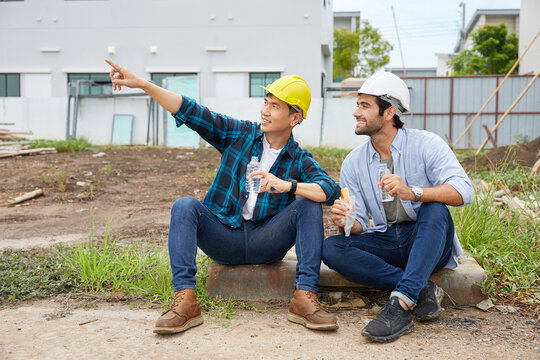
pixel 359 53
pixel 494 52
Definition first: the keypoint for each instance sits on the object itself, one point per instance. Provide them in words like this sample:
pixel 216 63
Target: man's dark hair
pixel 291 109
pixel 383 105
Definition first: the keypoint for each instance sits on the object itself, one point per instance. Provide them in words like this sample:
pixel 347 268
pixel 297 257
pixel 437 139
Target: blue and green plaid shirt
pixel 238 141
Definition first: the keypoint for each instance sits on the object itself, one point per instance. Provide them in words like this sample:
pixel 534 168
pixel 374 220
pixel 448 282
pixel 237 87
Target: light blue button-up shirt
pixel 421 159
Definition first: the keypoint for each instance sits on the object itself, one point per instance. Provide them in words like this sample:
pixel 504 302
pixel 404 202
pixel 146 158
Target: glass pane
pixel 13 85
pixel 72 78
pixel 256 80
pixel 122 129
pixel 2 85
pixel 271 77
pixel 157 78
pixel 101 88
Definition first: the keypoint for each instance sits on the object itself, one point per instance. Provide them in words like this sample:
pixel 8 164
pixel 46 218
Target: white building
pixel 528 28
pixel 229 48
pixel 481 17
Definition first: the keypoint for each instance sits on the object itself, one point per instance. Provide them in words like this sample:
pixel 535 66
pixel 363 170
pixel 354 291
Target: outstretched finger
pixel 113 65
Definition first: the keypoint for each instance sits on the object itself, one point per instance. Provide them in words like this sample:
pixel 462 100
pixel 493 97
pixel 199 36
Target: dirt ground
pixel 523 154
pixel 134 189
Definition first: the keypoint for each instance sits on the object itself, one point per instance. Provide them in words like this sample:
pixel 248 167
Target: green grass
pixel 33 274
pixel 56 176
pixel 516 178
pixel 101 267
pixel 107 169
pixel 505 244
pixel 62 145
pixel 330 159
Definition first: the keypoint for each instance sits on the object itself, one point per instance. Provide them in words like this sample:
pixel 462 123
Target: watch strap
pixel 293 186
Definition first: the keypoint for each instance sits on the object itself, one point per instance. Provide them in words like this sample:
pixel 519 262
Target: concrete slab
pixel 276 281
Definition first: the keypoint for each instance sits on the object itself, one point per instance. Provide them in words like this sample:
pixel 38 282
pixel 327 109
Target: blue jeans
pixel 193 224
pixel 400 259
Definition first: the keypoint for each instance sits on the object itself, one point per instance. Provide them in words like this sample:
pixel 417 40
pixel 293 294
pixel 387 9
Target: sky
pixel 426 27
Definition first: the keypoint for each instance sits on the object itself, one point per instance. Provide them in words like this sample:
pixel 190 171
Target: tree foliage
pixel 494 52
pixel 359 53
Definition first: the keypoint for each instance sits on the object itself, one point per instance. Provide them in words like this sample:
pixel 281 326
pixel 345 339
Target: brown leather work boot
pixel 306 310
pixel 184 313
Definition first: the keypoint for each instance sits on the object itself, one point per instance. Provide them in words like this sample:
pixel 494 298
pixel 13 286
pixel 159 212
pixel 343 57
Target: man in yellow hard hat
pixel 234 226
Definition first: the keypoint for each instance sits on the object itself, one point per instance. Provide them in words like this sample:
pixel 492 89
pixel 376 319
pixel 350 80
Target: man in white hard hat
pixel 233 226
pixel 412 235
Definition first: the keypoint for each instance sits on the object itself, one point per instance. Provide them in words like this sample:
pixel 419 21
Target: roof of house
pixel 480 12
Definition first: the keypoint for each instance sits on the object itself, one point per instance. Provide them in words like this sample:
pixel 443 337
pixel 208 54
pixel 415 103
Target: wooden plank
pixel 27 196
pixel 28 152
pixel 490 137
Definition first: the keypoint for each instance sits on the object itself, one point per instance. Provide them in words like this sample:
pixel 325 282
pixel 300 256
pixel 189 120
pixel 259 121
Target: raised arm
pixel 121 76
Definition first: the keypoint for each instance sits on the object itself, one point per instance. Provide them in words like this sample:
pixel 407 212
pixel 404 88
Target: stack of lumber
pixel 7 135
pixel 17 148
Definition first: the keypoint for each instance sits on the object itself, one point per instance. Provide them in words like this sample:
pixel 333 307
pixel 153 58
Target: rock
pixel 335 296
pixel 82 183
pixel 89 173
pixel 352 303
pixel 506 308
pixel 99 154
pixel 485 305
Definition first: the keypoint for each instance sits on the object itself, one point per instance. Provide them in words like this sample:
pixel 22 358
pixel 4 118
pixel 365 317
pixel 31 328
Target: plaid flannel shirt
pixel 238 141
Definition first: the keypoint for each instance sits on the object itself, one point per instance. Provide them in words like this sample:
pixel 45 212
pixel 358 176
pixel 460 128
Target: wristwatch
pixel 418 192
pixel 293 186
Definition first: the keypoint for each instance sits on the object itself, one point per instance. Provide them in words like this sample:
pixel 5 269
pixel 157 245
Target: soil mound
pixel 524 154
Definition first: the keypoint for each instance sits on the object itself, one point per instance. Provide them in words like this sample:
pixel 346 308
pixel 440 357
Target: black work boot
pixel 392 322
pixel 429 302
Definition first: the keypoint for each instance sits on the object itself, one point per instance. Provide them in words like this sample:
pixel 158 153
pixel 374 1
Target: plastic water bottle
pixel 253 184
pixel 383 170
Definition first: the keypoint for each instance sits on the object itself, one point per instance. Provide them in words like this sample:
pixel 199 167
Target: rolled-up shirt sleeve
pixel 442 167
pixel 347 179
pixel 312 172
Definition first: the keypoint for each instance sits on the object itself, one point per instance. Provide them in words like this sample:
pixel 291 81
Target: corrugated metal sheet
pixel 443 105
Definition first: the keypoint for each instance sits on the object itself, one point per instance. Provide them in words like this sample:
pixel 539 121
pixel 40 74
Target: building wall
pixel 512 22
pixel 220 40
pixel 528 24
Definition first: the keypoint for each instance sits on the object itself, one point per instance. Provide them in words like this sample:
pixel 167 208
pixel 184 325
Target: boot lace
pixel 313 299
pixel 178 297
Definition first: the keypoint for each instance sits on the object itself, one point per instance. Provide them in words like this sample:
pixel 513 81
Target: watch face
pixel 418 192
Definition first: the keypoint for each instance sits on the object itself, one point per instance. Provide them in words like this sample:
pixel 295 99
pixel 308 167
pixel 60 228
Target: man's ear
pixel 297 119
pixel 390 112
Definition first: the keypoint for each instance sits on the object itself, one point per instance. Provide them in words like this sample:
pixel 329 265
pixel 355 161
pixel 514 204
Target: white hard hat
pixel 388 87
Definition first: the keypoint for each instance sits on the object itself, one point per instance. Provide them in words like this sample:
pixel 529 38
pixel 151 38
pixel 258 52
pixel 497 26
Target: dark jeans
pixel 192 225
pixel 400 259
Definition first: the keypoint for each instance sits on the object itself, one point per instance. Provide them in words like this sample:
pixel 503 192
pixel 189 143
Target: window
pixel 10 85
pixel 157 78
pixel 104 85
pixel 256 80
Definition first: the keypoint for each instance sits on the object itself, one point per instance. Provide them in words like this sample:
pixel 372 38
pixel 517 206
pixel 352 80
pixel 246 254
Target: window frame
pixel 5 87
pixel 94 90
pixel 269 77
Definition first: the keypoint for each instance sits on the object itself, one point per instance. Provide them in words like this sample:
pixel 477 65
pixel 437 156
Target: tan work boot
pixel 184 313
pixel 306 310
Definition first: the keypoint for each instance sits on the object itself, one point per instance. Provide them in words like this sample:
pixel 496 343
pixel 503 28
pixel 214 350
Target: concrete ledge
pixel 276 281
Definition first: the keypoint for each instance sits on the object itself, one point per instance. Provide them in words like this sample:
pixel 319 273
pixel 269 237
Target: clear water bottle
pixel 253 184
pixel 383 170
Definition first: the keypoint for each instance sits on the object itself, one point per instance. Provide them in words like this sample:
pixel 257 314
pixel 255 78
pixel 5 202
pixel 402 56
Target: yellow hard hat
pixel 293 90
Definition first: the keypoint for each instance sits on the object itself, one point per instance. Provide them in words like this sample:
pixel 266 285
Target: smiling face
pixel 368 120
pixel 276 117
